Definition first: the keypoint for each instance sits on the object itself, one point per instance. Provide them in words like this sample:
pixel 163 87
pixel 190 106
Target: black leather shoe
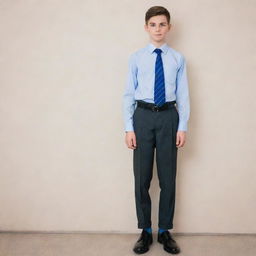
pixel 168 242
pixel 143 243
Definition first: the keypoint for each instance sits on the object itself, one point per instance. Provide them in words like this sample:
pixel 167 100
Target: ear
pixel 145 27
pixel 170 26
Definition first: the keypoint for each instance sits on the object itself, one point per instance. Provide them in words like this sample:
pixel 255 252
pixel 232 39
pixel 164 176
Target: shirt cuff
pixel 183 126
pixel 129 127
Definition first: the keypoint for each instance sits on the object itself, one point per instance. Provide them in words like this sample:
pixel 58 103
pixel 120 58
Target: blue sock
pixel 149 230
pixel 160 230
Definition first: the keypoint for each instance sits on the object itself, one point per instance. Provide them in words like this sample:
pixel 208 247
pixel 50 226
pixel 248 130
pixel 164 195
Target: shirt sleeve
pixel 128 96
pixel 182 96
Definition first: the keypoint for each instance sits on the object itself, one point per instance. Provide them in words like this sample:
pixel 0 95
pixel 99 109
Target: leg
pixel 166 159
pixel 143 157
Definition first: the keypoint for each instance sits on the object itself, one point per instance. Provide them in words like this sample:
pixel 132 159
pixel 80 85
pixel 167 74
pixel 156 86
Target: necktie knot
pixel 158 51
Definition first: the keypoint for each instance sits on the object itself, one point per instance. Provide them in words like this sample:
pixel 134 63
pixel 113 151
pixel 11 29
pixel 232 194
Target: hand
pixel 180 138
pixel 130 140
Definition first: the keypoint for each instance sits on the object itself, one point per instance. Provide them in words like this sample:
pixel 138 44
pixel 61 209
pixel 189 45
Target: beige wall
pixel 64 164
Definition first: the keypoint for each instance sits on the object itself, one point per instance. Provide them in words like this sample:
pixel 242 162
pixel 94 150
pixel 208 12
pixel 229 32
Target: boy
pixel 156 80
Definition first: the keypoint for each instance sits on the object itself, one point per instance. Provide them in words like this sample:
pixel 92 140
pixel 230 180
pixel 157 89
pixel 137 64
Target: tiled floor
pixel 92 244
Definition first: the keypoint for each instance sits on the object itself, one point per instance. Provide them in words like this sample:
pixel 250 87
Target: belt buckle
pixel 155 108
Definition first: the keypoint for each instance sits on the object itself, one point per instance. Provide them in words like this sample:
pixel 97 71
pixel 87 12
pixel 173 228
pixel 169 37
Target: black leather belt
pixel 154 107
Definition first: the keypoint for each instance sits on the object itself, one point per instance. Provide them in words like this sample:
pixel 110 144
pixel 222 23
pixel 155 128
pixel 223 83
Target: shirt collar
pixel 164 47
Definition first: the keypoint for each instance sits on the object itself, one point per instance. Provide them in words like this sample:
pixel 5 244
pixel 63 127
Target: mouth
pixel 158 34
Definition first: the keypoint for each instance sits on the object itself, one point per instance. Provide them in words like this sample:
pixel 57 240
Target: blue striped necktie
pixel 159 89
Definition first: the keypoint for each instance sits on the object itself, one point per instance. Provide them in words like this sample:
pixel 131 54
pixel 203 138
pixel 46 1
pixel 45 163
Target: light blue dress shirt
pixel 141 79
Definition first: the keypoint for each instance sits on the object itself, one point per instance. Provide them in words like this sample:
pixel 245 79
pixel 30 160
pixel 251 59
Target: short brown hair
pixel 157 10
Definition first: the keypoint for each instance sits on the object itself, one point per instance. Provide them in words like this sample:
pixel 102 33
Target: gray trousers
pixel 155 130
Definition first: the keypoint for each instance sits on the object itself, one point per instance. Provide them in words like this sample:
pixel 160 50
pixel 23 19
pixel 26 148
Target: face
pixel 157 28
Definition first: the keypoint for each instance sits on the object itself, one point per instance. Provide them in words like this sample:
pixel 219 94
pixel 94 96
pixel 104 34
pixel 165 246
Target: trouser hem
pixel 141 226
pixel 170 226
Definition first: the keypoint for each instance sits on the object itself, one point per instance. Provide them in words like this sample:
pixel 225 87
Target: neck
pixel 157 44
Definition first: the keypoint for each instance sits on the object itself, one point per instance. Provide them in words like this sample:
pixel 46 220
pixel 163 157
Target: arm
pixel 182 96
pixel 128 96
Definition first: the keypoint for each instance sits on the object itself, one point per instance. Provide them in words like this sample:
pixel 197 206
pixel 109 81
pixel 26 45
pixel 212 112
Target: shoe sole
pixel 141 252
